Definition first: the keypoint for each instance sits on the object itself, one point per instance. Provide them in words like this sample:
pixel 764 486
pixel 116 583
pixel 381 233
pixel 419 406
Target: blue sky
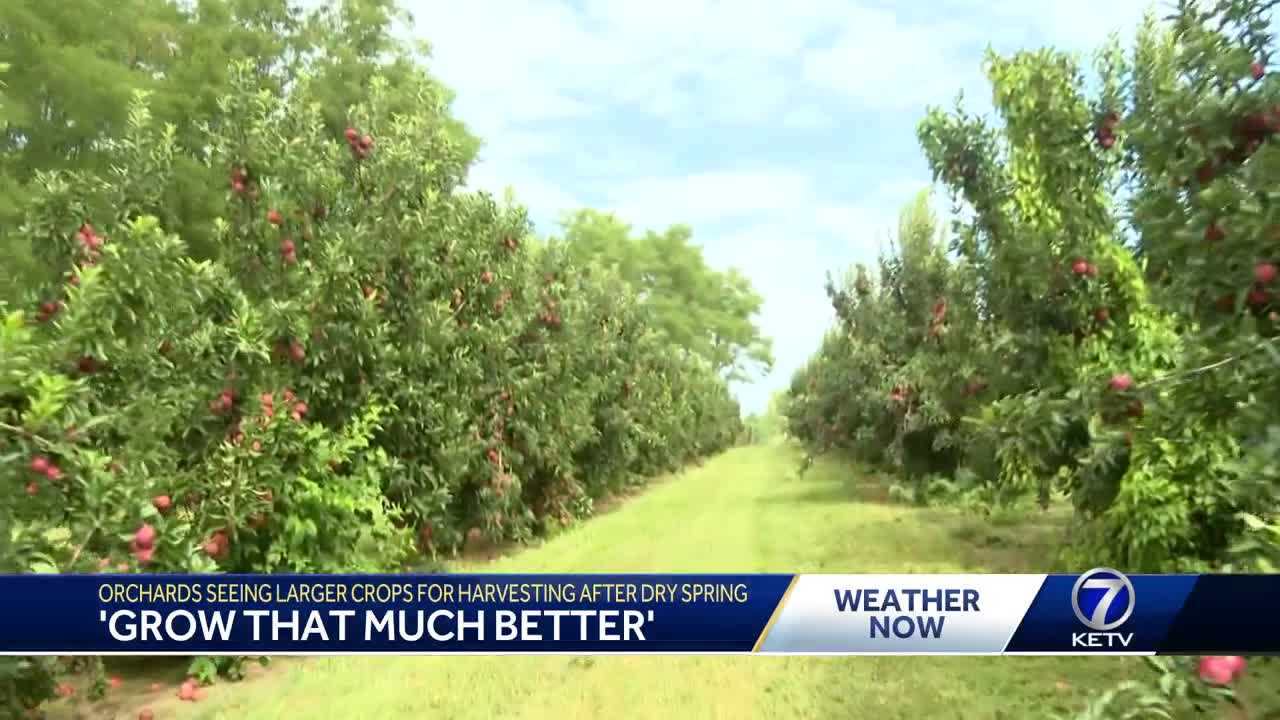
pixel 782 131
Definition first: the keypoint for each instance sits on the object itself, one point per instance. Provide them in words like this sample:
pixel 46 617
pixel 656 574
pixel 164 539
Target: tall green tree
pixel 709 312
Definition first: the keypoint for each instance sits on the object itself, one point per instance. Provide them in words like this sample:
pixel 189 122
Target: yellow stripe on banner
pixel 777 612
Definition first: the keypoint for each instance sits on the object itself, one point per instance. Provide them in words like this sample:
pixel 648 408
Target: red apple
pixel 217 544
pixel 1214 232
pixel 53 472
pixel 351 134
pixel 146 714
pixel 486 277
pixel 275 218
pixel 145 537
pixel 1102 315
pixel 47 310
pixel 1217 670
pixel 40 464
pixel 33 488
pixel 1235 663
pixel 1264 273
pixel 1205 172
pixel 162 502
pixel 1080 267
pixel 1120 382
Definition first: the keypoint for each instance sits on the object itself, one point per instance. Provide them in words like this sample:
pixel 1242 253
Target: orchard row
pixel 251 321
pixel 1102 325
pixel 376 366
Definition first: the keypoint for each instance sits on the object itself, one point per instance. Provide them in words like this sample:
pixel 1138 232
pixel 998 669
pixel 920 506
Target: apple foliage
pixel 375 365
pixel 1106 317
pixel 1103 326
pixel 69 85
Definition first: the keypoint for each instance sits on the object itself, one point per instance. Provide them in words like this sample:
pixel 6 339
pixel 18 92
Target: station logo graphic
pixel 1103 600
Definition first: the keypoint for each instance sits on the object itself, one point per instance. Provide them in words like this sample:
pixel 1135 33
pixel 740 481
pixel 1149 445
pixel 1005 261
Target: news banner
pixel 1100 612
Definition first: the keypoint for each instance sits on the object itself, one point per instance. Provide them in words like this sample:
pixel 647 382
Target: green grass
pixel 744 511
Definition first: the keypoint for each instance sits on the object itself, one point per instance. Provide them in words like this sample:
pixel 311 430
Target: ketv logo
pixel 1103 600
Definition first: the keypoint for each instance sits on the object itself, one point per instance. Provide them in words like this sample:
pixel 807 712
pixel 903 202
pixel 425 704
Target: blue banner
pixel 1098 612
pixel 303 614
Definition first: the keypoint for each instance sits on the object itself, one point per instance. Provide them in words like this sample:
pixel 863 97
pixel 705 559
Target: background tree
pixel 708 312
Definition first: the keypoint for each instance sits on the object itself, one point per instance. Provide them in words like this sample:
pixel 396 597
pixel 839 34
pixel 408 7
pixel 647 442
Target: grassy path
pixel 743 511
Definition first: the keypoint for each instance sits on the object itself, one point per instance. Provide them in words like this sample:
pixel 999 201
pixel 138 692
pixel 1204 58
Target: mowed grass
pixel 744 511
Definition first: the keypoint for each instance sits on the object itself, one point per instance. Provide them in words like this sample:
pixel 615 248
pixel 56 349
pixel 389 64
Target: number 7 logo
pixel 1113 582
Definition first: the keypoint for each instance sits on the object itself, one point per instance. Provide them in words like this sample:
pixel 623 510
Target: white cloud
pixel 521 60
pixel 1076 24
pixel 709 196
pixel 666 87
pixel 613 161
pixel 806 116
pixel 537 59
pixel 881 61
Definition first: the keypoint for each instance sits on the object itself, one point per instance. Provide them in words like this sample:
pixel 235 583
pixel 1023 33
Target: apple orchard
pixel 375 368
pixel 1101 327
pixel 284 337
